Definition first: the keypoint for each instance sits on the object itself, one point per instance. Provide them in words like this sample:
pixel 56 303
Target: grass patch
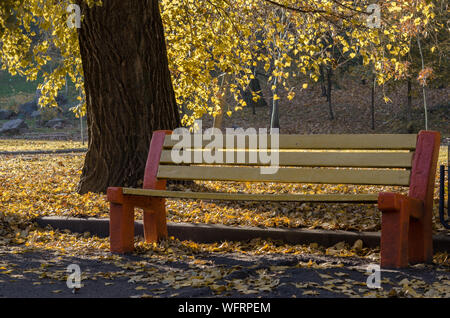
pixel 12 85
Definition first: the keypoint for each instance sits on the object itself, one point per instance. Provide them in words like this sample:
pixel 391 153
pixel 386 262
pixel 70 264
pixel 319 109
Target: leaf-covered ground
pixel 35 259
pixel 41 185
pixel 38 145
pixel 38 268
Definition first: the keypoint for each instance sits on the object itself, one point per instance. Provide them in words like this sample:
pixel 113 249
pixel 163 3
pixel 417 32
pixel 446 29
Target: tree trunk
pixel 254 87
pixel 66 88
pixel 222 96
pixel 275 115
pixel 372 102
pixel 408 108
pixel 129 93
pixel 217 123
pixel 322 82
pixel 330 106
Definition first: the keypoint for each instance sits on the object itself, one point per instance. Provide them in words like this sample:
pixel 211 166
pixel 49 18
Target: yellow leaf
pixel 310 292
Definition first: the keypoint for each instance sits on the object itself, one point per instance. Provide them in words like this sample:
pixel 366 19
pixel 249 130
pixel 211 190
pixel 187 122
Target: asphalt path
pixel 43 274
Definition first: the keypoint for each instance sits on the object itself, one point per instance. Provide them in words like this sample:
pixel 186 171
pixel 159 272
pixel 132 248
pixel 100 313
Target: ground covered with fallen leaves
pixel 38 268
pixel 38 145
pixel 35 259
pixel 42 185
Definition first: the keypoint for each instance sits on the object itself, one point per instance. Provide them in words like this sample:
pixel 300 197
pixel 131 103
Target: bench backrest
pixel 378 159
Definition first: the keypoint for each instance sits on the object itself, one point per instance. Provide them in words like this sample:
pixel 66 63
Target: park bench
pixel 361 159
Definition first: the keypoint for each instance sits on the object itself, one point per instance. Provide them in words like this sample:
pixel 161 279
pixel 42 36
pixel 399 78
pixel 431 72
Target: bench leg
pixel 155 226
pixel 420 239
pixel 121 228
pixel 394 236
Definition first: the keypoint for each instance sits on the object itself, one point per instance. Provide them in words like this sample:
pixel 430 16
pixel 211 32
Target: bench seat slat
pixel 296 175
pixel 361 198
pixel 319 141
pixel 311 159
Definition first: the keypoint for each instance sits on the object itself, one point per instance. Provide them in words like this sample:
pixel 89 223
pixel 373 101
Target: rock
pixel 13 126
pixel 6 114
pixel 36 114
pixel 58 125
pixel 27 108
pixel 55 123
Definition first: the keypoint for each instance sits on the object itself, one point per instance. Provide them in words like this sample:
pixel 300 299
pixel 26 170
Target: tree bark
pixel 275 115
pixel 330 105
pixel 254 87
pixel 322 82
pixel 408 108
pixel 128 89
pixel 222 96
pixel 372 102
pixel 217 122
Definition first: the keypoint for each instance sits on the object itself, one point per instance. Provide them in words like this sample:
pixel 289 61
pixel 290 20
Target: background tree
pixel 428 54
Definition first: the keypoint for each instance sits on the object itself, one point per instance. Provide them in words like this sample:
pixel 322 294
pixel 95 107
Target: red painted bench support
pixel 406 224
pixel 121 226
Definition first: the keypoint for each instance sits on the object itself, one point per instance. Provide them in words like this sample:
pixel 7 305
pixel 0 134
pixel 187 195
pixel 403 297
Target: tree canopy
pixel 209 39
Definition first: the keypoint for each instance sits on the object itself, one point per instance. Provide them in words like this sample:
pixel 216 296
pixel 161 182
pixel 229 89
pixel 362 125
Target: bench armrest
pixel 390 202
pixel 116 195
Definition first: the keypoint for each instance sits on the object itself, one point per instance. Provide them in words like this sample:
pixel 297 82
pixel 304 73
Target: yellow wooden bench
pixel 360 159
